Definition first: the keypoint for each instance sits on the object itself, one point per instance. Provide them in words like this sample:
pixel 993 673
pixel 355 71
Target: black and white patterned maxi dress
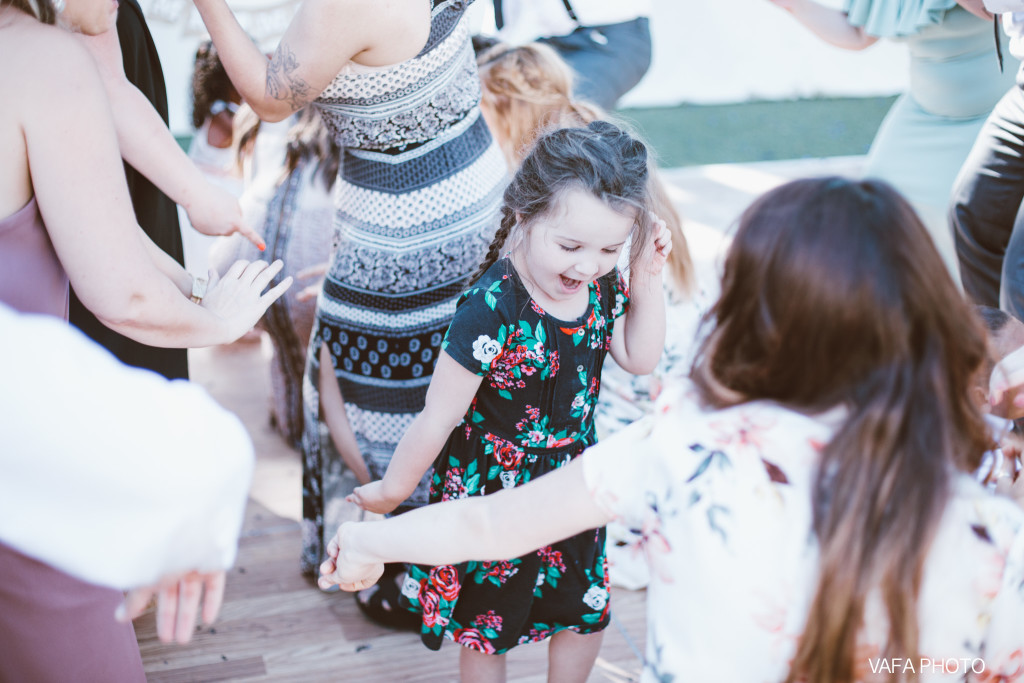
pixel 416 205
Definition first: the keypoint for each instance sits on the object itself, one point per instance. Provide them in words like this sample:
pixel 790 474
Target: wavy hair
pixel 600 159
pixel 308 140
pixel 834 294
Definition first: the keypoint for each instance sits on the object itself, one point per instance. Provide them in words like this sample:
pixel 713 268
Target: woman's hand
pixel 212 210
pixel 343 566
pixel 177 603
pixel 238 297
pixel 373 498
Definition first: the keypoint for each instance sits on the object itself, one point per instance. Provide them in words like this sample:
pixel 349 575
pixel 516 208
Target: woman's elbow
pixel 272 110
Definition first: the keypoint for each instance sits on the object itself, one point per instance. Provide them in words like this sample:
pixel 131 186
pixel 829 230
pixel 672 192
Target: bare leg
pixel 571 656
pixel 332 407
pixel 477 667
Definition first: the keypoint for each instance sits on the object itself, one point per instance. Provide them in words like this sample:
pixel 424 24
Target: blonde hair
pixel 528 91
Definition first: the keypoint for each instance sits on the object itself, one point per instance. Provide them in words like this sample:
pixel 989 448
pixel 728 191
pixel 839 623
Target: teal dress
pixel 955 82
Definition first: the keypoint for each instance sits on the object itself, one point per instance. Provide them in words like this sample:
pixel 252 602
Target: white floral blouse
pixel 722 501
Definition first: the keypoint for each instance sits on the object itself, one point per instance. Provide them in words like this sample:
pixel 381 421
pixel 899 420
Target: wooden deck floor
pixel 277 626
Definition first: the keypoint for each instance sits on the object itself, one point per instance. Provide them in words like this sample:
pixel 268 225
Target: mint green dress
pixel 955 82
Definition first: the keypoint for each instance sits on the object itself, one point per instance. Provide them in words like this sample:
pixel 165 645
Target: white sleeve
pixel 111 474
pixel 1000 6
pixel 624 473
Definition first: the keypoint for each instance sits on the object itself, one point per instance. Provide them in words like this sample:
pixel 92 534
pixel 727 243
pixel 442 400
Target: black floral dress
pixel 533 413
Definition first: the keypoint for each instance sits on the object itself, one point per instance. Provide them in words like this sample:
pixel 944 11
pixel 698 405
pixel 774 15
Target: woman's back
pixel 35 55
pixel 724 501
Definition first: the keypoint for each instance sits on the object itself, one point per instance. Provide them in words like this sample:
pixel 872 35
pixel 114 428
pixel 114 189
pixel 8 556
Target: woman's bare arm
pixel 323 36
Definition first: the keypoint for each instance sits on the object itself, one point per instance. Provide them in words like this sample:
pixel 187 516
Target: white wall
pixel 705 51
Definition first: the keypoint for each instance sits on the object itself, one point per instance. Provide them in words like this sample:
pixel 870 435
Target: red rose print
pixel 445 580
pixel 473 639
pixel 430 603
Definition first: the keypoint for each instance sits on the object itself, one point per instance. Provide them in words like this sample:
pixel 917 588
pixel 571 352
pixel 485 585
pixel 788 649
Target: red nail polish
pixel 262 247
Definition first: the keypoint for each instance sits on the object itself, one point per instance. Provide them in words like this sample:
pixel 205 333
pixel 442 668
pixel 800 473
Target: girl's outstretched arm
pixel 505 524
pixel 451 390
pixel 639 336
pixel 828 23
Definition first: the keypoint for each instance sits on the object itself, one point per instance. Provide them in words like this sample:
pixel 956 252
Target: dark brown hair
pixel 309 140
pixel 600 159
pixel 529 90
pixel 43 10
pixel 834 294
pixel 210 82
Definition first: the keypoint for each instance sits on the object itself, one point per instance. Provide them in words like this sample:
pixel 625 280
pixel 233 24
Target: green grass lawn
pixel 688 135
pixel 693 134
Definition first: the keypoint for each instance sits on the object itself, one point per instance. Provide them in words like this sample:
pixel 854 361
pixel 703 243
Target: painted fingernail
pixel 262 246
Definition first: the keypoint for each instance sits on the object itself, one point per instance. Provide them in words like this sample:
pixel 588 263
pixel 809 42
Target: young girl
pixel 806 501
pixel 214 104
pixel 515 386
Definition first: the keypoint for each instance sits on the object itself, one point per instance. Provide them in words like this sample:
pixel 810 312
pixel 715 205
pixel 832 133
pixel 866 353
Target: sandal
pixel 380 602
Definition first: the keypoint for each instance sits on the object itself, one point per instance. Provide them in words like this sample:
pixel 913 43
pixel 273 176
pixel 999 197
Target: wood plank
pixel 225 670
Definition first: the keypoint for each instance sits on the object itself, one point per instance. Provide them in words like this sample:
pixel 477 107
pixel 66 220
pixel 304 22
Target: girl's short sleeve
pixel 619 299
pixel 479 330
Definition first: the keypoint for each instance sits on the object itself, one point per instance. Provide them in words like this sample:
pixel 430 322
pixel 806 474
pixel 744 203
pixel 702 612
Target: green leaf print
pixel 490 300
pixel 453 461
pixel 504 393
pixel 716 457
pixel 591 618
pixel 539 332
pixel 714 512
pixel 472 484
pixel 489 633
pixel 493 472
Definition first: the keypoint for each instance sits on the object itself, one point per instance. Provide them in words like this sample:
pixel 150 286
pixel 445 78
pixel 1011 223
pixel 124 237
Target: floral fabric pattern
pixel 720 503
pixel 532 414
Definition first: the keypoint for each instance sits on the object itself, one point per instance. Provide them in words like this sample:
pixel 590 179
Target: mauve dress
pixel 53 628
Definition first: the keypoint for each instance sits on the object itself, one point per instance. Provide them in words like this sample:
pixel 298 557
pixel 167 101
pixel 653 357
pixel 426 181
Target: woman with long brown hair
pixel 805 500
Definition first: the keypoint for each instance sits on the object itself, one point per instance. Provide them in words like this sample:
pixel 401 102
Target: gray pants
pixel 608 60
pixel 986 211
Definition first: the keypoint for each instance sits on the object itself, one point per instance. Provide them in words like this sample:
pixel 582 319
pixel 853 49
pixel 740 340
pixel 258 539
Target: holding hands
pixel 344 567
pixel 373 497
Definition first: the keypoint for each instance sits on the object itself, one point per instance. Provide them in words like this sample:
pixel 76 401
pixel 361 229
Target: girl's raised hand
pixel 662 244
pixel 343 568
pixel 1006 382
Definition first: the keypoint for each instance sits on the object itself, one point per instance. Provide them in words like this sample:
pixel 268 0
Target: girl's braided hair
pixel 601 159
